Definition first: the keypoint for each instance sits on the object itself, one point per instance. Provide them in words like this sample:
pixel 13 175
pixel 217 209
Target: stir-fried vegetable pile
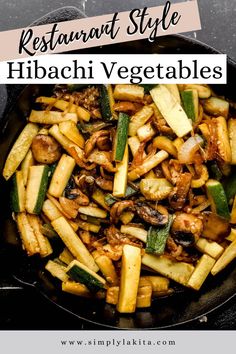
pixel 133 180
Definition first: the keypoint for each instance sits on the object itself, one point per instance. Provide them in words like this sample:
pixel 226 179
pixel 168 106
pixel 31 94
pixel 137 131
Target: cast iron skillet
pixel 185 305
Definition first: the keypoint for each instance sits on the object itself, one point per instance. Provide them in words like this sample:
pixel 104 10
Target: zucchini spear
pixel 171 110
pixel 121 136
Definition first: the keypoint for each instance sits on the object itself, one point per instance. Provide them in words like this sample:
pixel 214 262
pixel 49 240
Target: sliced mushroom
pixel 186 229
pixel 150 215
pixel 45 149
pixel 118 208
pixel 105 184
pixel 69 206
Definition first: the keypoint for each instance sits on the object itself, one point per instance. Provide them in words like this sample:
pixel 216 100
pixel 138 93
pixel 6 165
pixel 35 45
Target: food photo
pixel 119 200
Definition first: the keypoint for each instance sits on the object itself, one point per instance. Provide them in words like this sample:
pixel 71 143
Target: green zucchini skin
pixel 42 190
pixel 14 198
pixel 80 275
pixel 215 171
pixel 216 192
pixel 105 103
pixel 187 99
pixel 157 237
pixel 121 135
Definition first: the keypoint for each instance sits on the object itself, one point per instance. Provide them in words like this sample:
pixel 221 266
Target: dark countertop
pixel 23 308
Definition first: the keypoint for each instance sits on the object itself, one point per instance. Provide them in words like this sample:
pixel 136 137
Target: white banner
pixel 70 342
pixel 119 68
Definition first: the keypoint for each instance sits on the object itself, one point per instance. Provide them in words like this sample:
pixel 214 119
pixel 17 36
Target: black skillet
pixel 184 306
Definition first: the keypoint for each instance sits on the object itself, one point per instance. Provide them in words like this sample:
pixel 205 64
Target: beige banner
pixel 101 30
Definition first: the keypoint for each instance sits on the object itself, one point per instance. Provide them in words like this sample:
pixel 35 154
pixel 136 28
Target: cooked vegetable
pixel 44 245
pixel 216 107
pixel 217 197
pixel 61 175
pixel 190 103
pixel 51 117
pixel 36 188
pixel 171 110
pixel 84 275
pixel 128 92
pixel 214 171
pixel 65 106
pixel 144 296
pixel 157 237
pixel 137 232
pixel 64 141
pixel 19 149
pixel 106 267
pixel 164 143
pixel 65 256
pixel 232 139
pixel 47 230
pixel 45 149
pixel 211 248
pixel 189 148
pixel 70 130
pixel 227 257
pixel 203 268
pixel 233 213
pixel 76 288
pixel 73 243
pixel 126 217
pixel 18 194
pixel 29 240
pixel 25 165
pixel 203 91
pixel 93 211
pixel 139 119
pixel 57 270
pixel 223 143
pixel 177 271
pixel 148 164
pixel 120 178
pixel 146 132
pixel 158 283
pixel 134 144
pixel 100 198
pixel 94 192
pixel 173 88
pixel 112 295
pixel 232 235
pixel 215 227
pixel 155 189
pixel 130 274
pixel 105 103
pixel 121 136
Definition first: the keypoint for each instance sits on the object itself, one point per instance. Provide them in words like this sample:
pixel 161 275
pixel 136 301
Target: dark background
pixel 25 309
